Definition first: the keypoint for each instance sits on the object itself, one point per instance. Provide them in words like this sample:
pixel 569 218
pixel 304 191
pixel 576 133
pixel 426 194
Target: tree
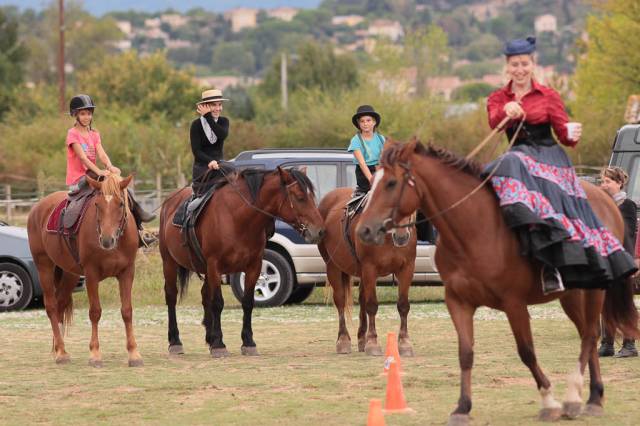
pixel 471 92
pixel 607 73
pixel 427 50
pixel 12 57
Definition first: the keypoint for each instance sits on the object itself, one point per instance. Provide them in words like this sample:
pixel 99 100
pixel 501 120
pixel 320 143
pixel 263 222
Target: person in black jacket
pixel 613 180
pixel 207 135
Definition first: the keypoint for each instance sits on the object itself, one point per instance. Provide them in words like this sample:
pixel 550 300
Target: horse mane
pixel 111 186
pixel 392 153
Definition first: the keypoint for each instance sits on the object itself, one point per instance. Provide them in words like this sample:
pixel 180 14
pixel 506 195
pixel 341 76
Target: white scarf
pixel 619 197
pixel 207 130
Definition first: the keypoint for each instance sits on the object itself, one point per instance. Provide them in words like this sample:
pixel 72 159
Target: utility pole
pixel 283 81
pixel 61 77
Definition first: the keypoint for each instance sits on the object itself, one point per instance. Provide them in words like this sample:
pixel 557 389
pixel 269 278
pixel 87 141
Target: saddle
pixel 66 218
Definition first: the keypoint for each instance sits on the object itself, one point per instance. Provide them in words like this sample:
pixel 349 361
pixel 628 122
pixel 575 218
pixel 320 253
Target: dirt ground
pixel 297 379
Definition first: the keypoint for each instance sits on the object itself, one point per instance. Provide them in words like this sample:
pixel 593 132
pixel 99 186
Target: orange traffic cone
pixel 395 402
pixel 375 418
pixel 391 353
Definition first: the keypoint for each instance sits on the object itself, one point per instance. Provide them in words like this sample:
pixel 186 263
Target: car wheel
pixel 300 293
pixel 274 285
pixel 16 288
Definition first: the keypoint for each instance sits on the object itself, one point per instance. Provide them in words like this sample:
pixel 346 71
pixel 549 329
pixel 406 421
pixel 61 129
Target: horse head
pixel 112 207
pixel 393 194
pixel 299 204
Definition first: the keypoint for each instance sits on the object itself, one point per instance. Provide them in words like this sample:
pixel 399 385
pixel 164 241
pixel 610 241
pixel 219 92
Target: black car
pixel 292 267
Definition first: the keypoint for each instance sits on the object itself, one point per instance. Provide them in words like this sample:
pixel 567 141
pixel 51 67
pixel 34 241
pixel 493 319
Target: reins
pixel 389 223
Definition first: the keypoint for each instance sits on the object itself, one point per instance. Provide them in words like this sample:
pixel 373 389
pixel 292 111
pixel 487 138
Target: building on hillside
pixel 122 45
pixel 496 80
pixel 178 44
pixel 483 11
pixel 224 81
pixel 283 13
pixel 152 23
pixel 386 28
pixel 125 27
pixel 242 18
pixel 347 20
pixel 174 20
pixel 443 85
pixel 546 23
pixel 155 33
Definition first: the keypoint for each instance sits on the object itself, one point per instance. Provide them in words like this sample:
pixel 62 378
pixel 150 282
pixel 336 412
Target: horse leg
pixel 572 404
pixel 217 348
pixel 405 276
pixel 45 273
pixel 462 317
pixel 340 284
pixel 519 321
pixel 362 327
pixel 250 277
pixel 125 282
pixel 95 312
pixel 170 271
pixel 368 286
pixel 572 304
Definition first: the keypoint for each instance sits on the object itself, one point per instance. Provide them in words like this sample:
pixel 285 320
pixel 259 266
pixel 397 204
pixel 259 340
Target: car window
pixel 351 175
pixel 633 187
pixel 324 178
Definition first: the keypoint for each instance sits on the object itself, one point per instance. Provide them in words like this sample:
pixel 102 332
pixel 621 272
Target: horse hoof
pixel 343 347
pixel 219 352
pixel 176 350
pixel 405 351
pixel 593 410
pixel 249 350
pixel 373 350
pixel 63 359
pixel 136 363
pixel 361 345
pixel 571 410
pixel 459 420
pixel 549 414
pixel 95 363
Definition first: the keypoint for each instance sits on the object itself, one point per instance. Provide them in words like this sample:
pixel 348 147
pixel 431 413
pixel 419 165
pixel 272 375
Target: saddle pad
pixel 182 215
pixel 54 224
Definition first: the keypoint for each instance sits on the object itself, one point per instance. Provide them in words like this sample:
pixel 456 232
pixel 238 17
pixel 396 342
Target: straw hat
pixel 211 95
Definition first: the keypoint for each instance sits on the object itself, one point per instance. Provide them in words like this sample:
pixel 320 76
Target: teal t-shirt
pixel 371 150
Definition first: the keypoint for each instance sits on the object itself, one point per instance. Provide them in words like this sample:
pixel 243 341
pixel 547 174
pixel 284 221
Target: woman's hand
pixel 513 110
pixel 203 108
pixel 213 164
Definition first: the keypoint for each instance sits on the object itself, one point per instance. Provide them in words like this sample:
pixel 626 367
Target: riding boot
pixel 606 345
pixel 140 214
pixel 628 349
pixel 551 280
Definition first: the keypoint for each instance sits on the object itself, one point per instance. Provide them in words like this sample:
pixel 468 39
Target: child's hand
pixel 203 109
pixel 103 172
pixel 114 170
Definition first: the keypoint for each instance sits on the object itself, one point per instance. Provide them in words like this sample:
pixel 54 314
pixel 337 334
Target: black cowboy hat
pixel 365 110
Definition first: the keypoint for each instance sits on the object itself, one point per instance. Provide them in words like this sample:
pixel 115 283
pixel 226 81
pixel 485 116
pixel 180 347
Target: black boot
pixel 140 214
pixel 551 280
pixel 628 349
pixel 606 349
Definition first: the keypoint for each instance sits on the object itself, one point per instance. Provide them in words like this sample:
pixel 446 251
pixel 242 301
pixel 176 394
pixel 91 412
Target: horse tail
pixel 619 311
pixel 183 281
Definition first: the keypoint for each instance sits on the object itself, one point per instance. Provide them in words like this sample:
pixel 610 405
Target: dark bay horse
pixel 479 261
pixel 368 263
pixel 107 243
pixel 232 234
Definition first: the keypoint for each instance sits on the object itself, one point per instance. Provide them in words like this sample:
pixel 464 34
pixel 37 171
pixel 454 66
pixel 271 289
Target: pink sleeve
pixel 98 139
pixel 495 108
pixel 72 138
pixel 558 118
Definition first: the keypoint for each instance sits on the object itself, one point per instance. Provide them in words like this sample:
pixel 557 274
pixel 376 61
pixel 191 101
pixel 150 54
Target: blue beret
pixel 521 46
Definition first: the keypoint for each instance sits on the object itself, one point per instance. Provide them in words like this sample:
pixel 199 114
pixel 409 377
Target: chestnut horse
pixel 367 262
pixel 107 243
pixel 479 261
pixel 232 231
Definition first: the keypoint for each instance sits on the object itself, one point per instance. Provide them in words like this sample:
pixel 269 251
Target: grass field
pixel 298 379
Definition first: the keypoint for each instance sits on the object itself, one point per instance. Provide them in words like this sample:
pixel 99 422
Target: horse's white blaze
pixel 108 198
pixel 548 401
pixel 376 178
pixel 574 386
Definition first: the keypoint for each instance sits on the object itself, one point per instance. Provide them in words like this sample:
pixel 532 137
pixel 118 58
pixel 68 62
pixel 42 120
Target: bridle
pixel 123 219
pixel 409 180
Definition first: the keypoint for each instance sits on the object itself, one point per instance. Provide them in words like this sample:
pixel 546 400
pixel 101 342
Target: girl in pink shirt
pixel 84 147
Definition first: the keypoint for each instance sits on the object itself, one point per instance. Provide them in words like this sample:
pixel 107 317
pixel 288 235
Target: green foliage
pixel 12 58
pixel 315 66
pixel 477 69
pixel 233 58
pixel 607 74
pixel 240 105
pixel 472 92
pixel 149 89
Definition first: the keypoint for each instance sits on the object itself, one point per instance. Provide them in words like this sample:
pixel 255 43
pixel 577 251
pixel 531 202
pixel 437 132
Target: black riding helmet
pixel 79 102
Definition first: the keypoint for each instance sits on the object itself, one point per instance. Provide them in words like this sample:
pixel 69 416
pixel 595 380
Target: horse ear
pixel 94 183
pixel 126 181
pixel 283 174
pixel 302 169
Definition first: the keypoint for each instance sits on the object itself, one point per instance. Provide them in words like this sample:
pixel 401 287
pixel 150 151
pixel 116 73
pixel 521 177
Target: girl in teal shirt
pixel 366 146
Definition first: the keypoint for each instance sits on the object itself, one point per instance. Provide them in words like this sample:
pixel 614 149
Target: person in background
pixel 366 146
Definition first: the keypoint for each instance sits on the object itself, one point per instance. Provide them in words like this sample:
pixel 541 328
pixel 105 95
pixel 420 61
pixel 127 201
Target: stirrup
pixel 553 282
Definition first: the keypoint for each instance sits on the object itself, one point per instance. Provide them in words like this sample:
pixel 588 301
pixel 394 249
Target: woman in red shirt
pixel 540 195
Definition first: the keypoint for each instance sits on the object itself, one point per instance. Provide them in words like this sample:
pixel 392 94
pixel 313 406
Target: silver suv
pixel 291 268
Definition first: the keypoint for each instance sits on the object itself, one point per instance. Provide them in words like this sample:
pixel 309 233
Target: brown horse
pixel 232 234
pixel 478 258
pixel 107 243
pixel 367 262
